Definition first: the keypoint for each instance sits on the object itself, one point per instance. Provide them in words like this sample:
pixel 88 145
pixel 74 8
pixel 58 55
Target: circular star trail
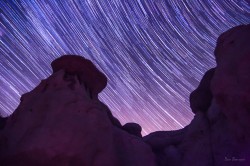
pixel 153 52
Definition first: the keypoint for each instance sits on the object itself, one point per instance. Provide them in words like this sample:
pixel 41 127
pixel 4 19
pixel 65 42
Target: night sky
pixel 154 52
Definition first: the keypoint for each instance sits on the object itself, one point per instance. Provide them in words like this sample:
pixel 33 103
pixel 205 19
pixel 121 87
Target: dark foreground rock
pixel 62 123
pixel 219 134
pixel 2 122
pixel 133 128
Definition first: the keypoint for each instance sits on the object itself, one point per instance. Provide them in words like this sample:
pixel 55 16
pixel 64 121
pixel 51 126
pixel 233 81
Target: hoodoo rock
pixel 62 122
pixel 85 71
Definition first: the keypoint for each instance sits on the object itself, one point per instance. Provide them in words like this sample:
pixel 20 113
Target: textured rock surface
pixel 219 134
pixel 59 123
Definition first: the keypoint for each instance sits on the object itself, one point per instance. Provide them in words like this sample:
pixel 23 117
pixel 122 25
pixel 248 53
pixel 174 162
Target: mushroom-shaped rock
pixel 58 124
pixel 85 70
pixel 200 98
pixel 133 128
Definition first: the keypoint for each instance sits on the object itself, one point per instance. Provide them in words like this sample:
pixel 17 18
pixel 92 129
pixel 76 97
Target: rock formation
pixel 219 134
pixel 133 128
pixel 62 122
pixel 201 98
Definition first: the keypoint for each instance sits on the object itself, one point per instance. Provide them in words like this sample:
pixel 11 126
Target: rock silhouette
pixel 219 134
pixel 201 98
pixel 62 122
pixel 133 128
pixel 84 70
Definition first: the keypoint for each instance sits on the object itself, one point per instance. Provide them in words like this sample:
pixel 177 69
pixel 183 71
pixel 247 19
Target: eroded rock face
pixel 59 123
pixel 201 98
pixel 231 87
pixel 231 82
pixel 219 134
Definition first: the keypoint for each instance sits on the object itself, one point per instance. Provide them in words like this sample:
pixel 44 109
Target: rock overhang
pixel 85 70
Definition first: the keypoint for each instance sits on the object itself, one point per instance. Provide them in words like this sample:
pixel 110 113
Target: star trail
pixel 154 52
